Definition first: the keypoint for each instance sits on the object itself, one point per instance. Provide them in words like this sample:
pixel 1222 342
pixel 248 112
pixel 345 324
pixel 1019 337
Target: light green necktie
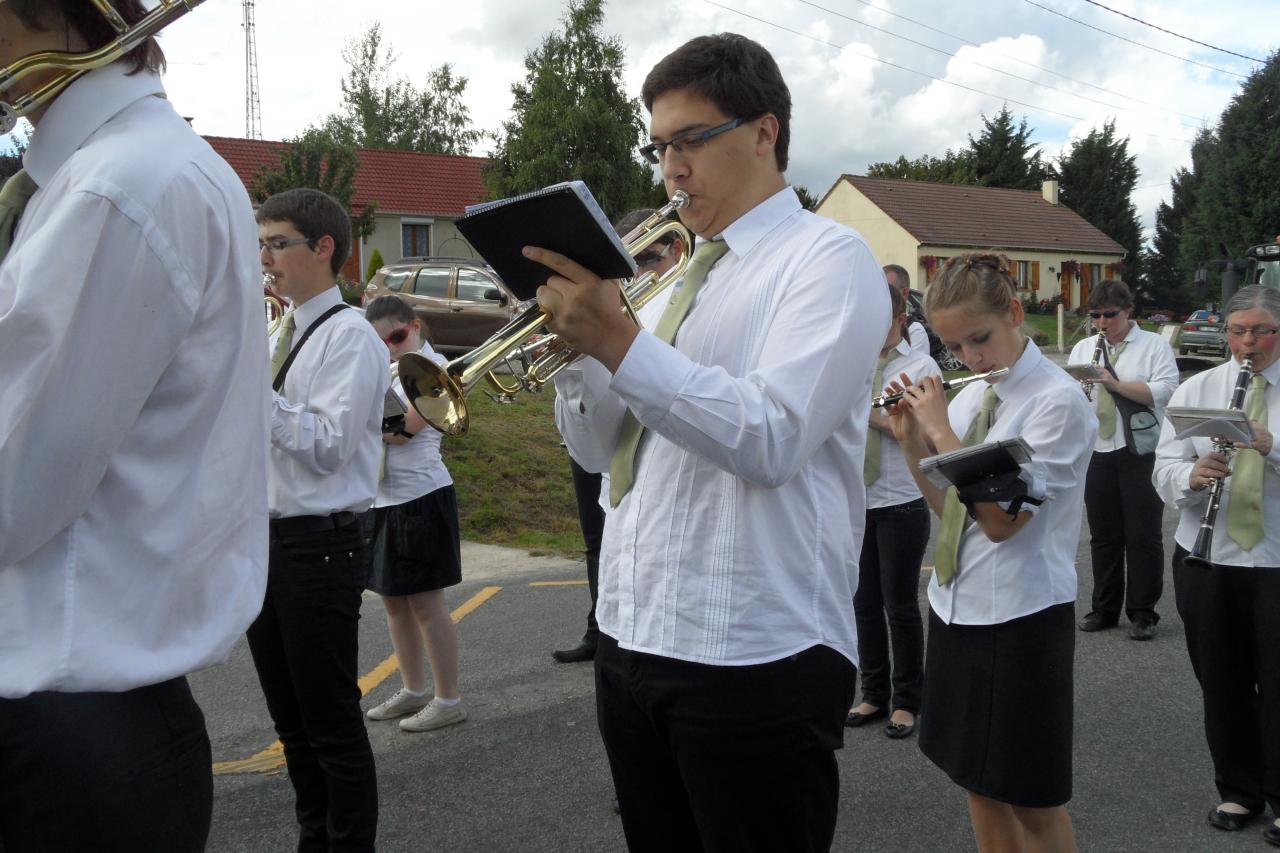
pixel 622 469
pixel 284 343
pixel 1107 403
pixel 14 195
pixel 871 461
pixel 947 552
pixel 1244 512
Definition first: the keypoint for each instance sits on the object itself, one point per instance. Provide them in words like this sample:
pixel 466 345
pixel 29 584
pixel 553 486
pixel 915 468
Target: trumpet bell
pixel 434 393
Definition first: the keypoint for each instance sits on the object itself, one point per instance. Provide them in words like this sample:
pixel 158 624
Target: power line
pixel 975 62
pixel 1171 32
pixel 972 43
pixel 844 48
pixel 1138 43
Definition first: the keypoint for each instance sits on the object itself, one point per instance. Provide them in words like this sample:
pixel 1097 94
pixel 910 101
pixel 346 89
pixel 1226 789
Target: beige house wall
pixel 387 239
pixel 893 244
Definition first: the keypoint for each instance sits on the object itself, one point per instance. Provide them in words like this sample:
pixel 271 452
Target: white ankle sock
pixel 446 703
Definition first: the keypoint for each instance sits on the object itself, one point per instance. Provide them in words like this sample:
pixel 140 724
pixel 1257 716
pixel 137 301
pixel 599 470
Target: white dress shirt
pixel 895 484
pixel 1175 459
pixel 919 342
pixel 1034 568
pixel 415 468
pixel 326 424
pixel 738 543
pixel 133 435
pixel 1146 357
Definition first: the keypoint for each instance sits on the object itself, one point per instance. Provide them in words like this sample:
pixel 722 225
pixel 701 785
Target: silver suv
pixel 461 301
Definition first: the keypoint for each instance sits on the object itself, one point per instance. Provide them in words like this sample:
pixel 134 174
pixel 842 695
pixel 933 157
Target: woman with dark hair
pixel 997 711
pixel 893 545
pixel 1124 510
pixel 1230 608
pixel 412 532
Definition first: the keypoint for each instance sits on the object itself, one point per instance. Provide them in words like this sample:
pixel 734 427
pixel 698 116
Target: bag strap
pixel 288 362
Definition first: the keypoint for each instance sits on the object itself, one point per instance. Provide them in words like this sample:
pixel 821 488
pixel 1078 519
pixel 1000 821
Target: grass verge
pixel 512 477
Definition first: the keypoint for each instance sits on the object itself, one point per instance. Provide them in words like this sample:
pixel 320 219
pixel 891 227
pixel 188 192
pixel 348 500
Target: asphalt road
pixel 526 771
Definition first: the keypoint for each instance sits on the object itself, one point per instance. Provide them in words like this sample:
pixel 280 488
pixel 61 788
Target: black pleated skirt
pixel 413 547
pixel 997 709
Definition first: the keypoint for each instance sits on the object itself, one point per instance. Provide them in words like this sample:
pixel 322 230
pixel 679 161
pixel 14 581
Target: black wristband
pixel 404 432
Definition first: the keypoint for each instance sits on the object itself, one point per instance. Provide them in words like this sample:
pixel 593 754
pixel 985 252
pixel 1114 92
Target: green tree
pixel 381 110
pixel 1168 283
pixel 1004 155
pixel 1097 176
pixel 572 120
pixel 1237 195
pixel 315 160
pixel 953 167
pixel 375 263
pixel 807 199
pixel 11 161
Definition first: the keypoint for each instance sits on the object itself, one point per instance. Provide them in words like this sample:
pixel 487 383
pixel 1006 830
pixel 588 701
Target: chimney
pixel 1049 189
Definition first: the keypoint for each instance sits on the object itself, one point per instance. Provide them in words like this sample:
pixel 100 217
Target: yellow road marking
pixel 558 583
pixel 272 757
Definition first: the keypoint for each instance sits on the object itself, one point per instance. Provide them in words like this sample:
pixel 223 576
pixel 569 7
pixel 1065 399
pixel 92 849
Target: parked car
pixel 940 354
pixel 1202 332
pixel 461 300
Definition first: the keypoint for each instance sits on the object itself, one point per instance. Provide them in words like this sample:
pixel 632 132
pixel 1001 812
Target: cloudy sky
pixel 860 71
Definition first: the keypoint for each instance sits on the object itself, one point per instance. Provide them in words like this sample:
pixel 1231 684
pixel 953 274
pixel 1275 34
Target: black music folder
pixel 984 472
pixel 564 218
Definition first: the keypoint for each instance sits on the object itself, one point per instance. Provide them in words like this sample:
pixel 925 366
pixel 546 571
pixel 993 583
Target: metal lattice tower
pixel 252 106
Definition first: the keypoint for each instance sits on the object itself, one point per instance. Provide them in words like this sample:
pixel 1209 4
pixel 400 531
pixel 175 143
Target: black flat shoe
pixel 1143 629
pixel 897 731
pixel 1272 835
pixel 856 720
pixel 586 650
pixel 1231 821
pixel 1097 622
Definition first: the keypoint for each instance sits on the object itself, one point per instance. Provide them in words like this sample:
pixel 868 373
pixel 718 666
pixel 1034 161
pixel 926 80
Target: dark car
pixel 461 300
pixel 942 355
pixel 1202 332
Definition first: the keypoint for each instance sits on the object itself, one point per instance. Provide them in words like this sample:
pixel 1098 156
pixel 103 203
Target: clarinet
pixel 1199 556
pixel 1099 353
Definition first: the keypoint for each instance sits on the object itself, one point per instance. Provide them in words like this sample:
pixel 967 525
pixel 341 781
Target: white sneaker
pixel 434 716
pixel 399 705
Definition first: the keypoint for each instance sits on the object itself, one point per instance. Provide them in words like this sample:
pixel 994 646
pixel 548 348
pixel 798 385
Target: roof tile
pixel 983 217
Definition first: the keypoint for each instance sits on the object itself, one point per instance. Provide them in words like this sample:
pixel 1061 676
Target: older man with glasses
pixel 1123 508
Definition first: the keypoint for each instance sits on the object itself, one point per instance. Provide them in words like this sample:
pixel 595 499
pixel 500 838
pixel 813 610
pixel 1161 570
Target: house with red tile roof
pixel 416 197
pixel 916 224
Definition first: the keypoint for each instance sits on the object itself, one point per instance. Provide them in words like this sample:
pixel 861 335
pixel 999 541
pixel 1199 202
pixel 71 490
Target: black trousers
pixel 586 488
pixel 889 586
pixel 105 771
pixel 304 647
pixel 1233 638
pixel 1125 529
pixel 724 758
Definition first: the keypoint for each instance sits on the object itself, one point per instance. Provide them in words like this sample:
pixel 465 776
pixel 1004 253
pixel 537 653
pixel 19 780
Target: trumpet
pixel 947 385
pixel 272 305
pixel 439 392
pixel 1099 354
pixel 1199 556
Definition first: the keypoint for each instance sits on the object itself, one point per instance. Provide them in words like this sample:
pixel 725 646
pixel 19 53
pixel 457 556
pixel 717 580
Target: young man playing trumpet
pixel 727 651
pixel 133 532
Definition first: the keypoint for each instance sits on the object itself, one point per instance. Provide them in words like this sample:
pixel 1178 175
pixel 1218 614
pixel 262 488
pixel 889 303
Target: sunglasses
pixel 649 257
pixel 1098 315
pixel 397 337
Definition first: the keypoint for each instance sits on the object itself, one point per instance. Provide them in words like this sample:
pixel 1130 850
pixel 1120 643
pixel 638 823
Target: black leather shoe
pixel 1142 629
pixel 897 731
pixel 854 720
pixel 1097 622
pixel 1272 835
pixel 586 650
pixel 1231 821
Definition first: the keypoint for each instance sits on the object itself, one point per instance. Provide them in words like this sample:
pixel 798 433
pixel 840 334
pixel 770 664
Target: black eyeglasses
pixel 279 244
pixel 1098 315
pixel 654 151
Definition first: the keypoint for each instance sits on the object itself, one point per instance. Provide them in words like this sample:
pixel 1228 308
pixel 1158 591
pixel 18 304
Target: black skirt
pixel 997 710
pixel 413 547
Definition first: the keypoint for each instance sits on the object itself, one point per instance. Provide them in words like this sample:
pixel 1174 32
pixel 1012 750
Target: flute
pixel 947 385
